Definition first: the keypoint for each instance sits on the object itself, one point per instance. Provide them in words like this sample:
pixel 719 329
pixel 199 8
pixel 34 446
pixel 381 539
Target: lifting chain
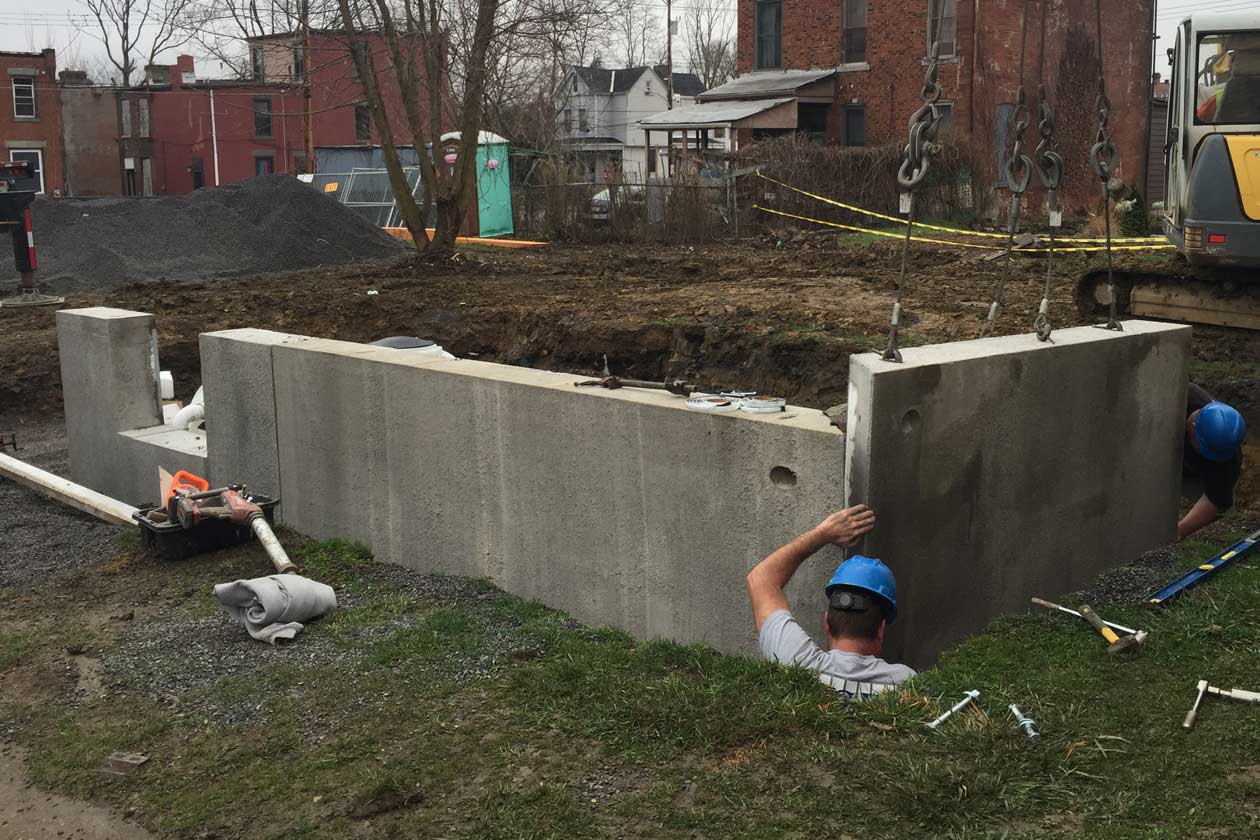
pixel 921 147
pixel 1050 172
pixel 1103 158
pixel 1019 169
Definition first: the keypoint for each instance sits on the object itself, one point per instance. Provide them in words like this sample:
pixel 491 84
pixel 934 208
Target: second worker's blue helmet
pixel 868 574
pixel 1219 431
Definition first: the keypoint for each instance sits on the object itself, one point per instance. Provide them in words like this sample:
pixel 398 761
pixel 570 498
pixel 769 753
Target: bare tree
pixel 640 34
pixel 443 56
pixel 220 27
pixel 710 39
pixel 133 30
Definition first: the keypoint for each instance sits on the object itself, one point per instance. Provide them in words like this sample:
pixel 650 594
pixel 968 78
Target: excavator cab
pixel 1212 151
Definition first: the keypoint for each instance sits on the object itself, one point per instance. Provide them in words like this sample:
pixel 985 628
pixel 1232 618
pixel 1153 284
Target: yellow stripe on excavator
pixel 1244 151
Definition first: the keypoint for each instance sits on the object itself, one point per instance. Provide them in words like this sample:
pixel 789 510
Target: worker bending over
pixel 1211 458
pixel 862 600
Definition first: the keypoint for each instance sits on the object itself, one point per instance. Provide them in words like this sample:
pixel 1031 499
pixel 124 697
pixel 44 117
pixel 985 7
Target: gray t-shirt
pixel 855 675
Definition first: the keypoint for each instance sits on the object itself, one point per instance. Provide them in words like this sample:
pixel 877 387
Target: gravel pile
pixel 272 223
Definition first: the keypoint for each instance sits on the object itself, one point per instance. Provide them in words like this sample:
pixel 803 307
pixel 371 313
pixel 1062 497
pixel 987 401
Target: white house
pixel 599 120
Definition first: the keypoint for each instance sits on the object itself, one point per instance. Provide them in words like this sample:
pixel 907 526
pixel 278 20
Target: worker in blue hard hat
pixel 861 602
pixel 1211 458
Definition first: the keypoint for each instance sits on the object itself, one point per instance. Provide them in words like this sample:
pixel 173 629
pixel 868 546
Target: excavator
pixel 1212 184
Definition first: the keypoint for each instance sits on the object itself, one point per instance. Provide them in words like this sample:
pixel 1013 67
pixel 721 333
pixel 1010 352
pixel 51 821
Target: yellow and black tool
pixel 1116 642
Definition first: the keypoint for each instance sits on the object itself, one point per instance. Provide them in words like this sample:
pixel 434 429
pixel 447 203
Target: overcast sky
pixel 62 24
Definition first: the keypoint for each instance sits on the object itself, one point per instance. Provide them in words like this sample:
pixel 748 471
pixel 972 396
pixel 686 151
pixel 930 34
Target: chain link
pixel 1104 159
pixel 1050 172
pixel 921 147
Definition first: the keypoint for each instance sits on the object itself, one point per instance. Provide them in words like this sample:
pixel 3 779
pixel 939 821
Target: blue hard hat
pixel 869 574
pixel 1218 431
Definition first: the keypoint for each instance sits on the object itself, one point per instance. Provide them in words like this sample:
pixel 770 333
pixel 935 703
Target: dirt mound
pixel 263 224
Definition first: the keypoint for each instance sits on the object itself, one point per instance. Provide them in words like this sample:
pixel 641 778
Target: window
pixel 854 41
pixel 651 161
pixel 35 157
pixel 943 24
pixel 769 37
pixel 124 129
pixel 647 87
pixel 197 170
pixel 584 123
pixel 146 176
pixel 1228 85
pixel 811 120
pixel 567 115
pixel 256 62
pixel 362 124
pixel 360 51
pixel 264 166
pixel 575 90
pixel 854 125
pixel 143 122
pixel 262 117
pixel 299 63
pixel 24 97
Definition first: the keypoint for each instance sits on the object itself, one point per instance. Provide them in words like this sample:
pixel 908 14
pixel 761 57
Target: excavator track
pixel 1219 297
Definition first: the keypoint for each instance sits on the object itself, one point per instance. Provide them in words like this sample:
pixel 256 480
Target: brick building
pixel 30 118
pixel 868 59
pixel 178 133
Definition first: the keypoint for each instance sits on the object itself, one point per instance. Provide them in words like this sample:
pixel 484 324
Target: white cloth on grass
pixel 273 608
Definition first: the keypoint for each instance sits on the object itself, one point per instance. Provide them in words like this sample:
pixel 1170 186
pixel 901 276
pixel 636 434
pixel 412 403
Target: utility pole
pixel 306 86
pixel 669 54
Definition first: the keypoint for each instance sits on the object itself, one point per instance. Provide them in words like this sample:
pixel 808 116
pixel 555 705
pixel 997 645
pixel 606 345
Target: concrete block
pixel 143 451
pixel 237 378
pixel 1005 468
pixel 109 376
pixel 623 508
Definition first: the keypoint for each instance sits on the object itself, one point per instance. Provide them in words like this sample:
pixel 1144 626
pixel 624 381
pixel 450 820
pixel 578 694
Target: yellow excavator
pixel 1212 182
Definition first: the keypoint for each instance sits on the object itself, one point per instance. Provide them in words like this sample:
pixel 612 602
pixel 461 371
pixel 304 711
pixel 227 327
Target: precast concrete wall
pixel 1006 468
pixel 623 508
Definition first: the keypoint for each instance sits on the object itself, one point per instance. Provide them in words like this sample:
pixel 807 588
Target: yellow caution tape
pixel 953 244
pixel 958 231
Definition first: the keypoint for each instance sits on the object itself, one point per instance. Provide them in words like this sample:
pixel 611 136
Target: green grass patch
pixel 14 646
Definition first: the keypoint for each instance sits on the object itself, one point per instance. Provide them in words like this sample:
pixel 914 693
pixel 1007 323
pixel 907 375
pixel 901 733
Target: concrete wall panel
pixel 1006 468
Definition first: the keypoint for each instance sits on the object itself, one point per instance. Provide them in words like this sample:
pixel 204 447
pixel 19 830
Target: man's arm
pixel 769 577
pixel 1202 513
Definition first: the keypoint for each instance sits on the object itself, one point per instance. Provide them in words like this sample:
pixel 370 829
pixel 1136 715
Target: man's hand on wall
pixel 845 527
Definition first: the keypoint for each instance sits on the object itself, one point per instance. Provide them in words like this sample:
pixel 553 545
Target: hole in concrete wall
pixel 910 422
pixel 782 476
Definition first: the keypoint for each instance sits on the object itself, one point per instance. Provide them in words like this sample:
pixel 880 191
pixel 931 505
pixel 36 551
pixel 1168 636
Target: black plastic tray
pixel 174 542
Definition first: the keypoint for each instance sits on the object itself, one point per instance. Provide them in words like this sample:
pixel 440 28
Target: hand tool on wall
pixel 1116 643
pixel 1239 694
pixel 674 386
pixel 1206 570
pixel 1026 725
pixel 968 698
pixel 189 507
pixel 1119 628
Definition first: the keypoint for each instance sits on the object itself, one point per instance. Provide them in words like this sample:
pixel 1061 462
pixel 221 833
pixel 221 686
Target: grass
pixel 488 716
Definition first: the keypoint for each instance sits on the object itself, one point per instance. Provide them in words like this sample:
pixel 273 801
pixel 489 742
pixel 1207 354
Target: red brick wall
pixel 46 127
pixel 984 74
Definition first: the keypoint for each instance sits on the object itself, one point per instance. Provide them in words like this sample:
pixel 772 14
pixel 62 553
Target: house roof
pixel 621 79
pixel 710 114
pixel 767 83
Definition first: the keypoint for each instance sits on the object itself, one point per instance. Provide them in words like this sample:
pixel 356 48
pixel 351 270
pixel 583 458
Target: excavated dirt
pixel 780 320
pixel 272 223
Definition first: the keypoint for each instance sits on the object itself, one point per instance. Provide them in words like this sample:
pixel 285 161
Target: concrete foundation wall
pixel 109 375
pixel 623 508
pixel 1006 468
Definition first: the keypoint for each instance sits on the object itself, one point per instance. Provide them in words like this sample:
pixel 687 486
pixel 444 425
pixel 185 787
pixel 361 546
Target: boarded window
pixel 568 121
pixel 362 124
pixel 124 127
pixel 769 33
pixel 146 176
pixel 584 123
pixel 143 122
pixel 855 125
pixel 854 31
pixel 262 117
pixel 943 24
pixel 24 97
pixel 264 166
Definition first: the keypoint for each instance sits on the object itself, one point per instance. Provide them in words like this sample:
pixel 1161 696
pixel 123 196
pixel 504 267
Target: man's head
pixel 862 599
pixel 1216 431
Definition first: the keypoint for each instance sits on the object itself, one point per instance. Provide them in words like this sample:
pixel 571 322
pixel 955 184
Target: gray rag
pixel 273 607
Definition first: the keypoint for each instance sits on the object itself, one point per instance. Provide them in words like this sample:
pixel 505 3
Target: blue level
pixel 1198 574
